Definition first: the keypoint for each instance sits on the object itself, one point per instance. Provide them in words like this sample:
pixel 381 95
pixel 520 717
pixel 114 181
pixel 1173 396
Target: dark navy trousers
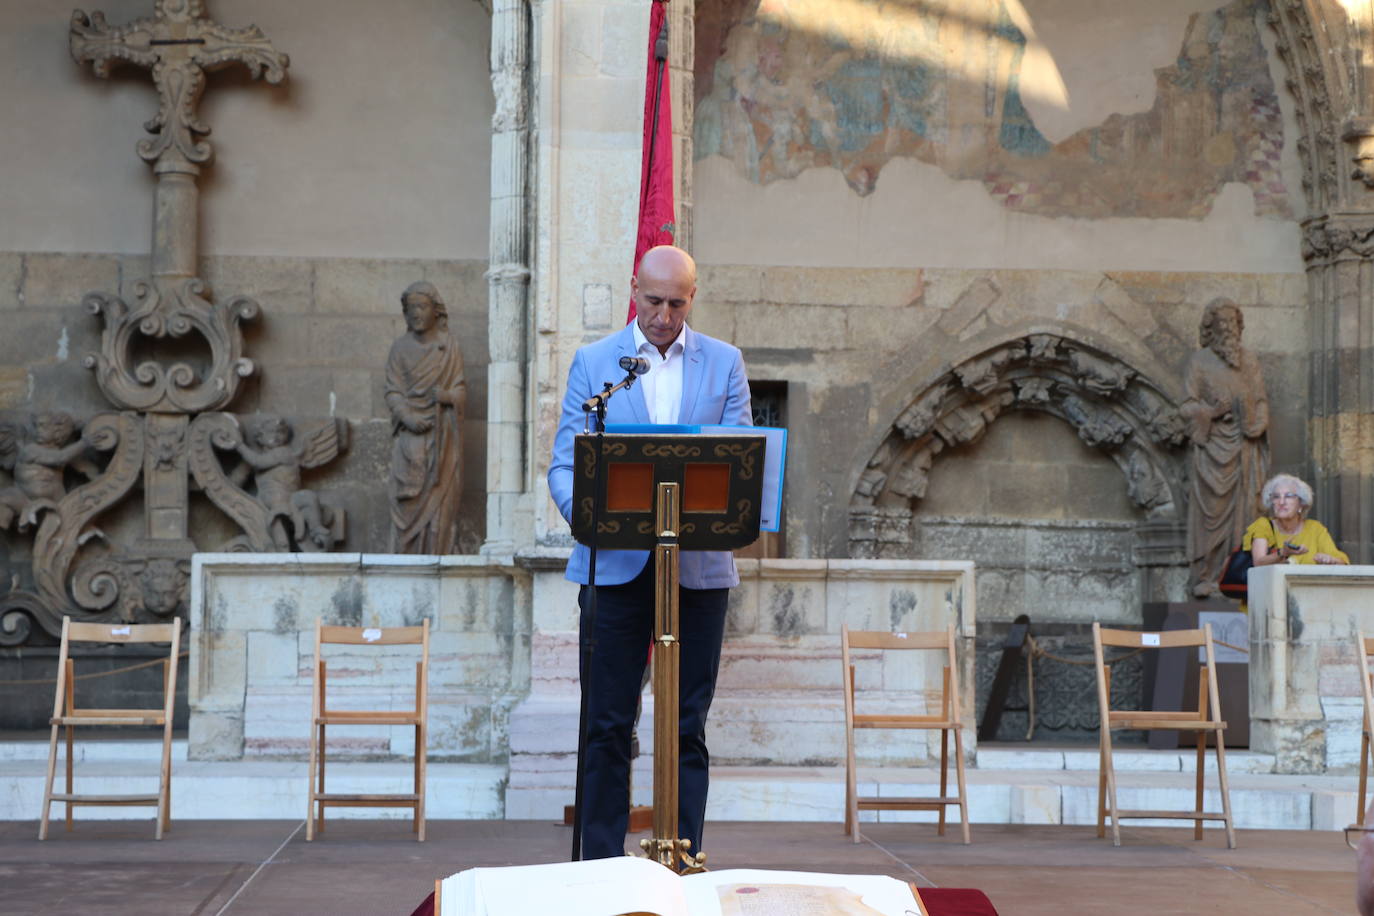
pixel 611 682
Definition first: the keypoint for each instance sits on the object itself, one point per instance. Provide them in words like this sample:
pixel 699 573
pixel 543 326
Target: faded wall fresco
pixel 787 85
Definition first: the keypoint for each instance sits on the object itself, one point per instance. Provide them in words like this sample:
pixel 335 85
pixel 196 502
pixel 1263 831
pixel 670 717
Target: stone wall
pixel 320 345
pixel 778 700
pixel 252 648
pixel 367 169
pixel 377 145
pixel 859 348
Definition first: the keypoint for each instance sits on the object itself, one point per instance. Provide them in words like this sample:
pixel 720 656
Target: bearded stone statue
pixel 1227 412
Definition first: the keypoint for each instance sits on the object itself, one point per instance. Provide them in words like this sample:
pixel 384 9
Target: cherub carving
pixel 39 459
pixel 297 518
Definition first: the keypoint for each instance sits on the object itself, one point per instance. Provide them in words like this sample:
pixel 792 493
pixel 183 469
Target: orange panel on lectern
pixel 629 487
pixel 706 488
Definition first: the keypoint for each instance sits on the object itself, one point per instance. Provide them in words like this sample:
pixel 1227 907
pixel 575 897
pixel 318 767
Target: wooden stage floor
pixel 375 867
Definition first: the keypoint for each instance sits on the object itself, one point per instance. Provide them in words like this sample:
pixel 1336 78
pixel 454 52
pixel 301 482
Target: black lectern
pixel 667 493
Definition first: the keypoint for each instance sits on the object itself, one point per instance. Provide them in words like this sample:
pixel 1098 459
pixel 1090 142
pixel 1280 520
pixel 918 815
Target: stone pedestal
pixel 778 701
pixel 1305 703
pixel 252 651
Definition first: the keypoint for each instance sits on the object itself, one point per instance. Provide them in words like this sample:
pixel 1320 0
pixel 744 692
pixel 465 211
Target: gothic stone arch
pixel 1111 406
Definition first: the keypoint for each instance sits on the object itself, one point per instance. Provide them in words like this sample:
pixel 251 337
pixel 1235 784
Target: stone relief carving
pixel 166 423
pixel 914 474
pixel 1147 487
pixel 1322 47
pixel 427 395
pixel 38 454
pixel 917 419
pixel 1227 411
pixel 278 513
pixel 982 374
pixel 1098 427
pixel 1099 376
pixel 1330 238
pixel 1108 403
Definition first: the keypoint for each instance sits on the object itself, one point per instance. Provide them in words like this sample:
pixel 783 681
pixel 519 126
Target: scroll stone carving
pixel 167 403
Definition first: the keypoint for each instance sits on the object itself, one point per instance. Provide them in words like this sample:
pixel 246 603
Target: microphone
pixel 634 364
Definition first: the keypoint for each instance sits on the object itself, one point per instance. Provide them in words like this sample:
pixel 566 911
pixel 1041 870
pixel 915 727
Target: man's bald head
pixel 669 260
pixel 663 290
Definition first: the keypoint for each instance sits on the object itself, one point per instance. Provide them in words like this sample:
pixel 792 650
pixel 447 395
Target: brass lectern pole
pixel 666 847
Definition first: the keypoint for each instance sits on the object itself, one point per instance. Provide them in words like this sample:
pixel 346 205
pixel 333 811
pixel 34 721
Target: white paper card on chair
pixel 120 631
pixel 1149 639
pixel 606 887
pixel 371 634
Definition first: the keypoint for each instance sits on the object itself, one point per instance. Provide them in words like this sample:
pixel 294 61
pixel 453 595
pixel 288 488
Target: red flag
pixel 656 162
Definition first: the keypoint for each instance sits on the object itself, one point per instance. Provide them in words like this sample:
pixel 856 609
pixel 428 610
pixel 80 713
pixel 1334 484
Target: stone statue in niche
pixel 427 396
pixel 38 457
pixel 298 519
pixel 1227 412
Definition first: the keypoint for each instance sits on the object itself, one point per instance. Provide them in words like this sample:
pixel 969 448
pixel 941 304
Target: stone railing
pixel 1306 706
pixel 252 650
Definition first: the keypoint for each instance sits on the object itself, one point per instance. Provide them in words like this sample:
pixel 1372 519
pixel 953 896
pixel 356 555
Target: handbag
pixel 1235 581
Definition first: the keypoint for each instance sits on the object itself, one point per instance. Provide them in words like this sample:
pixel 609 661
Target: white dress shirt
pixel 663 382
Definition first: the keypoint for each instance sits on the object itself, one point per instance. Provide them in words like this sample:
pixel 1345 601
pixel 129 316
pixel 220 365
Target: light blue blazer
pixel 714 390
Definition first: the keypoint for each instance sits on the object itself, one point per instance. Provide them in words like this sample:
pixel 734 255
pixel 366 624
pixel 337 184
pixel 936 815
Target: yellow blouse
pixel 1313 535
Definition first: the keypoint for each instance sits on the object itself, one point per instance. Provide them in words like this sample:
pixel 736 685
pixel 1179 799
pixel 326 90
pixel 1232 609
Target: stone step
pixel 105 749
pixel 256 790
pixel 1125 759
pixel 987 757
pixel 266 789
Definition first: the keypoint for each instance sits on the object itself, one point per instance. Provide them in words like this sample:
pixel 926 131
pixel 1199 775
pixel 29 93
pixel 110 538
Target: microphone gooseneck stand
pixel 594 406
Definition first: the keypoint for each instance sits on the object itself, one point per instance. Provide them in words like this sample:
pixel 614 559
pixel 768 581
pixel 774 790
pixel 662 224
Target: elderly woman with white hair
pixel 1285 534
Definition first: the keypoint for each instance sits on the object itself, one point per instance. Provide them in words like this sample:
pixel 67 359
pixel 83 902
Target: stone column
pixel 508 278
pixel 682 64
pixel 1338 248
pixel 1327 48
pixel 587 70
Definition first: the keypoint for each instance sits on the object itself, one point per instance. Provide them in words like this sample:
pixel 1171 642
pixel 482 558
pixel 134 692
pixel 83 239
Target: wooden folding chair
pixel 1203 720
pixel 1363 647
pixel 947 721
pixel 324 716
pixel 67 715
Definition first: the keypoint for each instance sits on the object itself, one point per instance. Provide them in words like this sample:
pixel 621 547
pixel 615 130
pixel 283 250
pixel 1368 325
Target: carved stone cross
pixel 179 45
pixel 159 377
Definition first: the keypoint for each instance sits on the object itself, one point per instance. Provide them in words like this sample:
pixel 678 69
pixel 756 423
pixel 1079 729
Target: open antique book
pixel 629 885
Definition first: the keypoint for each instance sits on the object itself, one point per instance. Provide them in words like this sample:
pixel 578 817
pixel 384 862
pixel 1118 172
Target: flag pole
pixel 661 60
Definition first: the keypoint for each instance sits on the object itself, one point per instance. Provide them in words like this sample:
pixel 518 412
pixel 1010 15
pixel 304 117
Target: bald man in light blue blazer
pixel 693 379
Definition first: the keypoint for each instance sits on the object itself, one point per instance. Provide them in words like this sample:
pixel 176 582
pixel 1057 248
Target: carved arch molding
pixel 1109 404
pixel 1323 47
